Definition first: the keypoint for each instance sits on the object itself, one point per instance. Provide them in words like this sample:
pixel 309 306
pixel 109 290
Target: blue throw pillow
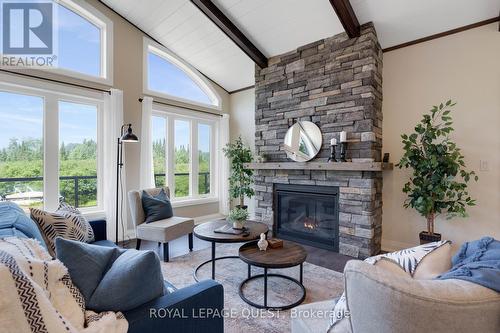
pixel 156 207
pixel 86 263
pixel 134 278
pixel 110 278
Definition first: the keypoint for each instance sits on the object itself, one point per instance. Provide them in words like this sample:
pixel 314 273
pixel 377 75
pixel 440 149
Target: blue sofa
pixel 194 309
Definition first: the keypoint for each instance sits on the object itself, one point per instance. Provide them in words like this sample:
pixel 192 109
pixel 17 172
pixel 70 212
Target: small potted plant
pixel 240 180
pixel 238 216
pixel 439 181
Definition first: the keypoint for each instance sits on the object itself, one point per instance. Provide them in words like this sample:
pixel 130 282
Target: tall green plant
pixel 240 179
pixel 439 181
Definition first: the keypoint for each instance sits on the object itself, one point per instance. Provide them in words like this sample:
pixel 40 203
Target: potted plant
pixel 240 180
pixel 238 216
pixel 439 181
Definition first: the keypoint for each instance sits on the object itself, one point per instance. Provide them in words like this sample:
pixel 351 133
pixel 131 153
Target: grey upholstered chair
pixel 161 231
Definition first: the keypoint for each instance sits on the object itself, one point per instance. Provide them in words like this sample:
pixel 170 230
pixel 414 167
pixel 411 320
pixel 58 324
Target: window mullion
pixel 51 153
pixel 169 153
pixel 194 167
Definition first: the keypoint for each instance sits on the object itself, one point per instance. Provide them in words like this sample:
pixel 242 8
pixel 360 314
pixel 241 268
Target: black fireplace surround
pixel 307 214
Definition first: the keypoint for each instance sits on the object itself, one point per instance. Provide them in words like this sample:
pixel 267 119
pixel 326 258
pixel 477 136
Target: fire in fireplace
pixel 307 214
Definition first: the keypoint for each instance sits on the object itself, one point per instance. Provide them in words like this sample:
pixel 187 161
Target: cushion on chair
pixel 66 222
pixel 165 230
pixel 110 278
pixel 156 207
pixel 133 279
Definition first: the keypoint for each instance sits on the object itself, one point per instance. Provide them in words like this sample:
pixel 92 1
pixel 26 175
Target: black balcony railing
pixel 80 191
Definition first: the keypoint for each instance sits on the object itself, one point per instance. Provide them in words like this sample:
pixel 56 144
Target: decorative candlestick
pixel 333 144
pixel 343 146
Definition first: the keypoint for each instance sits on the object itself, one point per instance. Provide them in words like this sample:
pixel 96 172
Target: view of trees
pixel 24 159
pixel 181 159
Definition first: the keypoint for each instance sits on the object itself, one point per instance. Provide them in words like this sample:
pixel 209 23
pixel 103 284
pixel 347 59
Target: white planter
pixel 238 224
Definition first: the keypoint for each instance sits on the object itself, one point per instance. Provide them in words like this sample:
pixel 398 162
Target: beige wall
pixel 128 76
pixel 466 68
pixel 242 122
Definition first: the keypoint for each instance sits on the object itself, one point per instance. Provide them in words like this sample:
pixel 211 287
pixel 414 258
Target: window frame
pixel 101 21
pixel 190 71
pixel 170 114
pixel 52 94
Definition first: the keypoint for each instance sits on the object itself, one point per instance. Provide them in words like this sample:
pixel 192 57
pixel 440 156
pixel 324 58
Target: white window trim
pixel 177 113
pixel 53 93
pixel 197 77
pixel 105 25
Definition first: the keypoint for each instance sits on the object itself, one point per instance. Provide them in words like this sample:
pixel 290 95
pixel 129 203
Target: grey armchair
pixel 161 231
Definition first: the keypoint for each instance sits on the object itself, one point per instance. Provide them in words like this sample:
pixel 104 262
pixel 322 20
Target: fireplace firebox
pixel 307 214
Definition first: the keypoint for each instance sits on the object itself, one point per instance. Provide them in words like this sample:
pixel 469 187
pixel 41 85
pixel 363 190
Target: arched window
pixel 168 76
pixel 84 41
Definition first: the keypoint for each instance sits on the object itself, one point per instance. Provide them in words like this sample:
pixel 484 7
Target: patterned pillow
pixel 66 222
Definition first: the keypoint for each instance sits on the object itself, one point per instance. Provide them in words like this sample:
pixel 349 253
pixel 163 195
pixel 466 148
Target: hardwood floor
pixel 179 247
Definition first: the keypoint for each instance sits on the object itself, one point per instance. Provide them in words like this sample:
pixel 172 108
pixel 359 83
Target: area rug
pixel 320 283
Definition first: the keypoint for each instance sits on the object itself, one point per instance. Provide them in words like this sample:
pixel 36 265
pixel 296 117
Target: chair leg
pixel 138 244
pixel 190 240
pixel 165 252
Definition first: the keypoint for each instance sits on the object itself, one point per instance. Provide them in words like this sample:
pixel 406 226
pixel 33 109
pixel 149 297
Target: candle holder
pixel 343 149
pixel 332 154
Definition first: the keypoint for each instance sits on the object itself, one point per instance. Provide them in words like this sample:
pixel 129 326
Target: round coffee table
pixel 289 255
pixel 205 231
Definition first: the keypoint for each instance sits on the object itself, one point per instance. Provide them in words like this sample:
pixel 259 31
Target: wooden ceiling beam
pixel 347 17
pixel 208 8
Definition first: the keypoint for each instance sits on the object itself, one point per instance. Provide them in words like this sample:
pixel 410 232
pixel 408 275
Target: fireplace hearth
pixel 307 214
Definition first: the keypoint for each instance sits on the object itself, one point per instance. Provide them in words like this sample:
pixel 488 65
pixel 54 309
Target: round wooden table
pixel 289 255
pixel 206 231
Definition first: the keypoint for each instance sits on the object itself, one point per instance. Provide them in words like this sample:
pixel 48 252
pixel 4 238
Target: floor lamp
pixel 127 136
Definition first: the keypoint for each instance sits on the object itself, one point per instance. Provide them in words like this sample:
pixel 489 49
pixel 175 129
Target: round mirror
pixel 303 141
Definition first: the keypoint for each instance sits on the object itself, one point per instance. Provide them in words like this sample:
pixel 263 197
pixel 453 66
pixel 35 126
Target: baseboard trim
pixel 391 246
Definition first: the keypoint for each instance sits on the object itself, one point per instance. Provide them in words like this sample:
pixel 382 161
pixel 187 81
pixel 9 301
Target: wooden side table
pixel 206 231
pixel 289 255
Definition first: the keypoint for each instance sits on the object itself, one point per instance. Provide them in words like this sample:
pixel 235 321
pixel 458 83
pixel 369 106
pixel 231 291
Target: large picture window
pixel 167 76
pixel 49 147
pixel 183 155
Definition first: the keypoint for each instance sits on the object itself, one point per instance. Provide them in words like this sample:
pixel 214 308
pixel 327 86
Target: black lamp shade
pixel 129 136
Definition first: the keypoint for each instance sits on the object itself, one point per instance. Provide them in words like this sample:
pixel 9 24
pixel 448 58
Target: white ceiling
pixel 279 26
pixel 401 21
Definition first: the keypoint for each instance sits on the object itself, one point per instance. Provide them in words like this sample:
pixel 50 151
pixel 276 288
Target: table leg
pixel 249 271
pixel 213 260
pixel 265 286
pixel 301 273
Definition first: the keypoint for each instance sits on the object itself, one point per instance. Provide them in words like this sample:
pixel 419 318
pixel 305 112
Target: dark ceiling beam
pixel 347 17
pixel 224 23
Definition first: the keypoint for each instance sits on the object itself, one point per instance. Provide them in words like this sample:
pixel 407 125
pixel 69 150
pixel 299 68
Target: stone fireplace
pixel 337 84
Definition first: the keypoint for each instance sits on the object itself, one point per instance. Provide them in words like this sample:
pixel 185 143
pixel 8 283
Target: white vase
pixel 238 224
pixel 262 243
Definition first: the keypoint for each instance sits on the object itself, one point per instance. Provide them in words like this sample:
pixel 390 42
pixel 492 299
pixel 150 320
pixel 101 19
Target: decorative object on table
pixel 333 145
pixel 229 230
pixel 66 222
pixel 238 216
pixel 303 141
pixel 275 243
pixel 125 137
pixel 343 146
pixel 240 180
pixel 262 243
pixel 439 181
pixel 386 158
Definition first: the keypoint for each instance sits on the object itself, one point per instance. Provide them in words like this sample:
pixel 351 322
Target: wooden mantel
pixel 337 166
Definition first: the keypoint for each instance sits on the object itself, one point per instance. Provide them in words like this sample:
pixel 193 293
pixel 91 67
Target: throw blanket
pixel 477 261
pixel 37 295
pixel 408 259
